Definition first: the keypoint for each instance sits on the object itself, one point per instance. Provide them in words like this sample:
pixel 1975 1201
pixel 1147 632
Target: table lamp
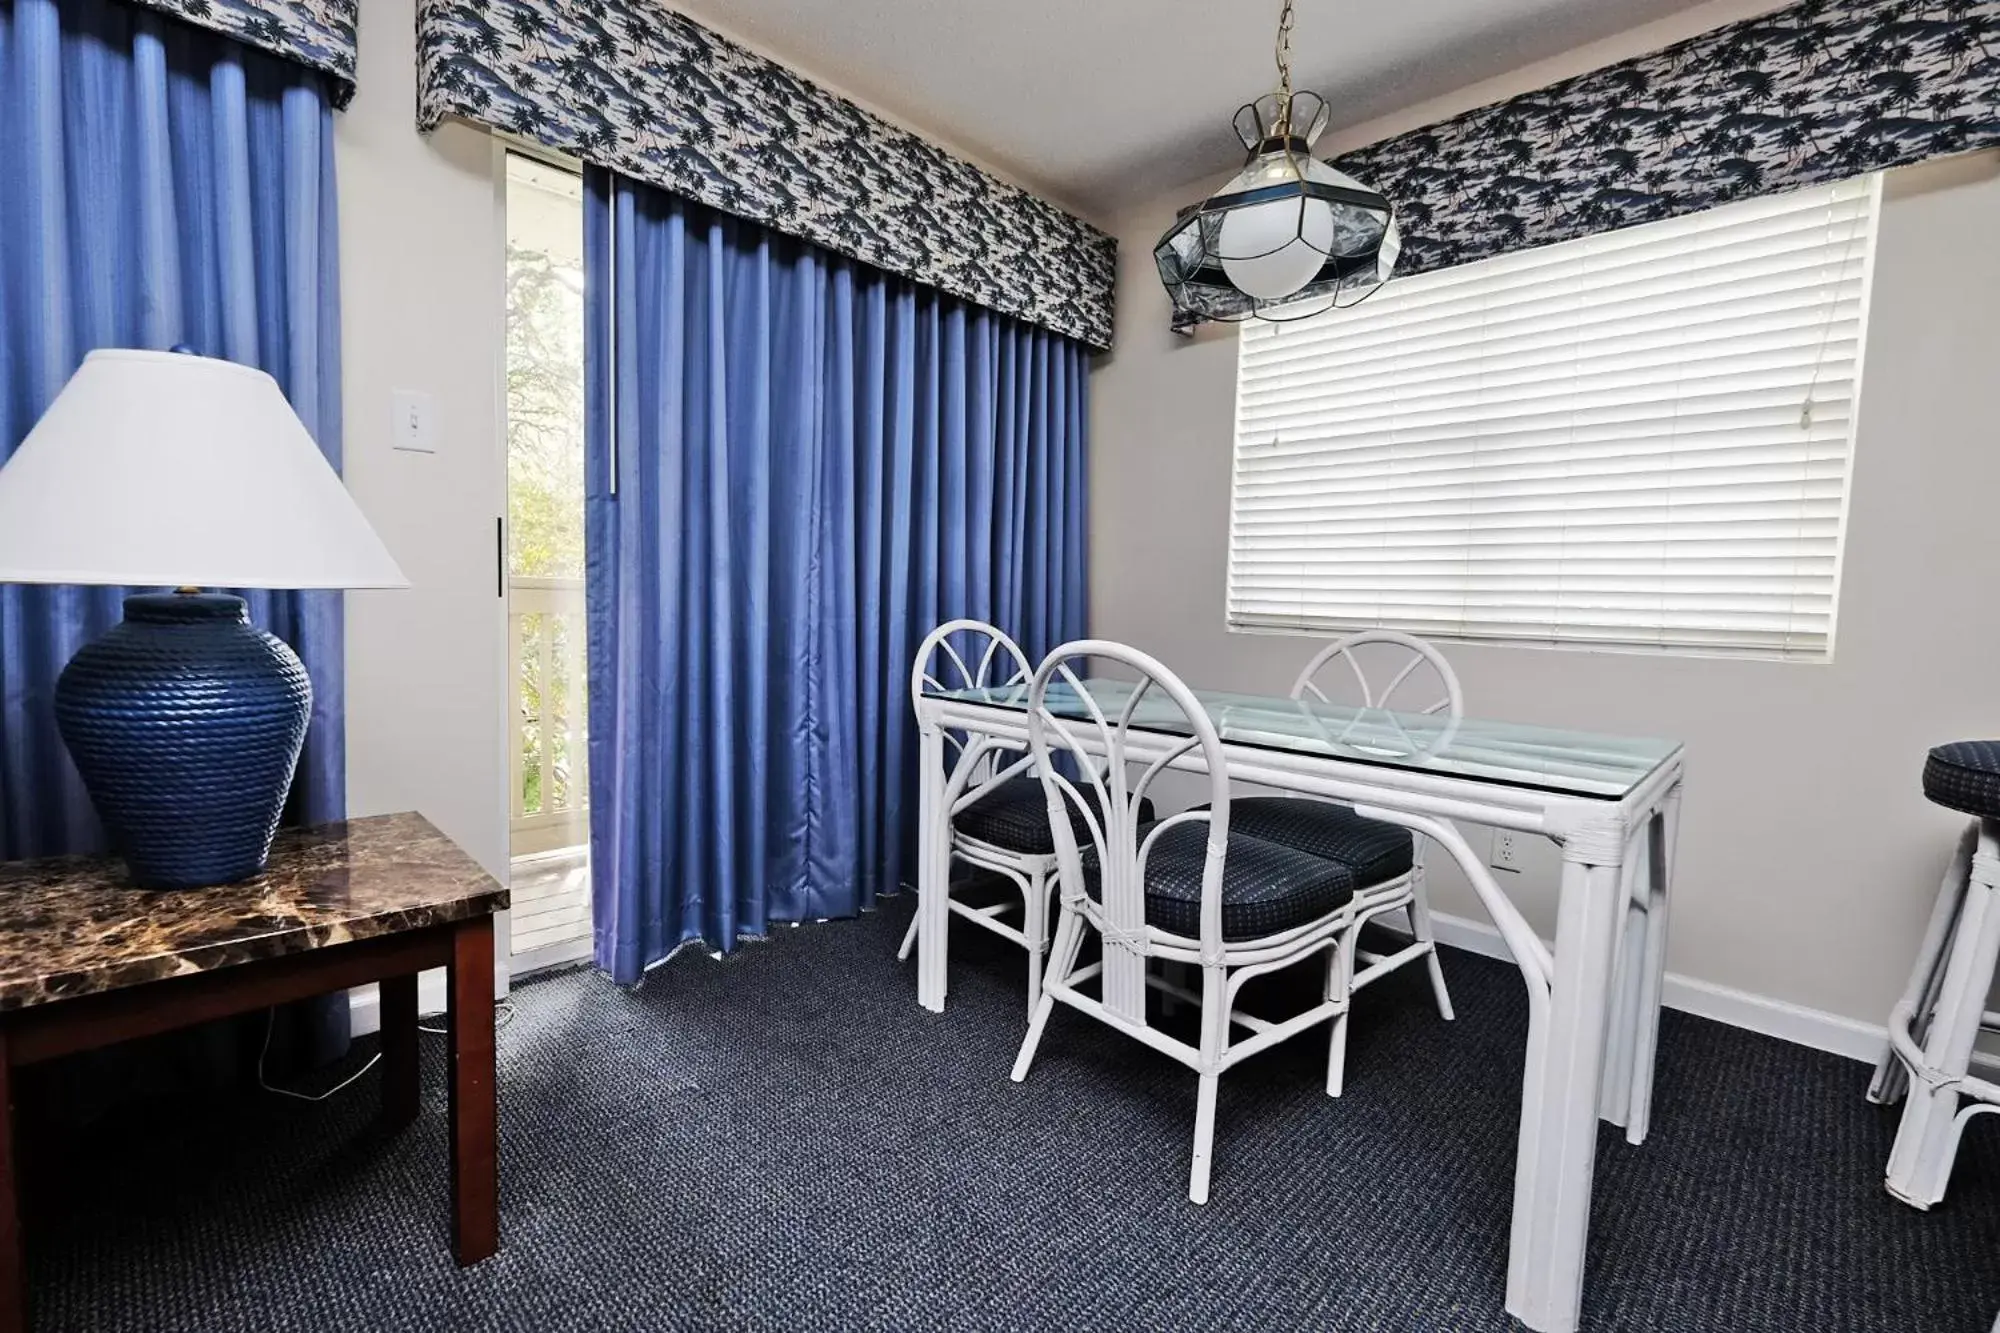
pixel 169 469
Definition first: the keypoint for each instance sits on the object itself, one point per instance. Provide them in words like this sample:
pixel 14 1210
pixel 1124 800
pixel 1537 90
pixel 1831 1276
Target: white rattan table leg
pixel 1557 1156
pixel 933 871
pixel 1663 828
pixel 1628 963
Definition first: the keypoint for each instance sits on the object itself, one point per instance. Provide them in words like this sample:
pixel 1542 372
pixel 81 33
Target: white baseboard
pixel 1756 1013
pixel 364 1003
pixel 364 1011
pixel 1795 1023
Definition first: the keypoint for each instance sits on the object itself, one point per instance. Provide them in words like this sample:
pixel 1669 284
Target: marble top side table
pixel 87 960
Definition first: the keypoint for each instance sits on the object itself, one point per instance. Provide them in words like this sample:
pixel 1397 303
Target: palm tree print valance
pixel 316 33
pixel 1813 93
pixel 633 86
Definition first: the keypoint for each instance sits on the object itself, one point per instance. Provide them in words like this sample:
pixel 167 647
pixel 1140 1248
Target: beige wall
pixel 422 255
pixel 422 251
pixel 1808 854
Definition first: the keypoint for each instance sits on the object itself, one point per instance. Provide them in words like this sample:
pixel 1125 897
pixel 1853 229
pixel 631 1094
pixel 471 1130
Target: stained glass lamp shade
pixel 1288 237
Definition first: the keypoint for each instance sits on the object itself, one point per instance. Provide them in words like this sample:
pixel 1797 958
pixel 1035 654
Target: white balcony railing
pixel 545 649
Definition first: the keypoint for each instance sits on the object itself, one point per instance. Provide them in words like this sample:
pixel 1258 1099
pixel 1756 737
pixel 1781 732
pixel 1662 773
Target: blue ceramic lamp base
pixel 186 723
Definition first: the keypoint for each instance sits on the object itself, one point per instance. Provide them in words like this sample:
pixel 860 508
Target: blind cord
pixel 1812 389
pixel 1832 314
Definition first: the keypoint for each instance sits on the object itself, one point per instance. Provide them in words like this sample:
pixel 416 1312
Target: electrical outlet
pixel 1506 851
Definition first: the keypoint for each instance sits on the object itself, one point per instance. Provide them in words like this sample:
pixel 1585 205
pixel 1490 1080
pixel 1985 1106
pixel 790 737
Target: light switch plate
pixel 415 427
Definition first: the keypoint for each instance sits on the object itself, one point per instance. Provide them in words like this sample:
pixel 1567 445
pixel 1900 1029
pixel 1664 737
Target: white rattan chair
pixel 999 815
pixel 1188 889
pixel 1381 855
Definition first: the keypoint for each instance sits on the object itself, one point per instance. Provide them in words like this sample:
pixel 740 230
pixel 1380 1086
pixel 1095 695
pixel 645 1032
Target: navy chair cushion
pixel 1013 815
pixel 1374 851
pixel 1965 776
pixel 1266 889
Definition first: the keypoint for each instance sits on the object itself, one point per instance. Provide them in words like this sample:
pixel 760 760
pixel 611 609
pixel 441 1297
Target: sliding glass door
pixel 548 785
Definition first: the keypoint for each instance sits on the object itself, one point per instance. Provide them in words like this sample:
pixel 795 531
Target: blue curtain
pixel 159 185
pixel 815 463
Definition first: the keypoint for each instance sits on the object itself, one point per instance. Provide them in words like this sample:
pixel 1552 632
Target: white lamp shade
pixel 164 469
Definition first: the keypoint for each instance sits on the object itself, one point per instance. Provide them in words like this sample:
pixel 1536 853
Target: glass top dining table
pixel 1551 759
pixel 1611 802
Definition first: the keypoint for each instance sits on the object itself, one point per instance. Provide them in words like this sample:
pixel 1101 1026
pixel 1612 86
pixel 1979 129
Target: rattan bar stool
pixel 1943 1009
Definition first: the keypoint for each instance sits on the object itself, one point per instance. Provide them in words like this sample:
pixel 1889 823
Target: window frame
pixel 1871 193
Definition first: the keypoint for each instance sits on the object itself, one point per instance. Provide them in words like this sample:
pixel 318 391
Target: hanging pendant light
pixel 1289 236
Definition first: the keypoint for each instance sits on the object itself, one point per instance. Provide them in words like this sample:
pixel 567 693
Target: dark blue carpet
pixel 786 1141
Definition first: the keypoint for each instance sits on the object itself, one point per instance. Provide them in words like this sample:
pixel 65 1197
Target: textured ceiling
pixel 1104 103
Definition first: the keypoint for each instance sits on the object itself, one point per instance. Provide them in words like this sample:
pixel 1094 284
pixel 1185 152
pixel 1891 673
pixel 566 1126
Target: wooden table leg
pixel 13 1275
pixel 475 1166
pixel 401 1082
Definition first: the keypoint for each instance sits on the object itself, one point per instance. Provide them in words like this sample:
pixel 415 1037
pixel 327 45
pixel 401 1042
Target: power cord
pixel 270 1023
pixel 503 1014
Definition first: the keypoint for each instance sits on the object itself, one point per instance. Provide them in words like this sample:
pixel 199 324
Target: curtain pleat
pixel 814 464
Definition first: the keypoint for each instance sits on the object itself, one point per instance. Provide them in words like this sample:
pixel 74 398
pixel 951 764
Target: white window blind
pixel 1639 439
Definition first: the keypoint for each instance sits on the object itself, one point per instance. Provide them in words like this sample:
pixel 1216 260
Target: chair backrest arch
pixel 1150 723
pixel 971 655
pixel 1395 696
pixel 1422 652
